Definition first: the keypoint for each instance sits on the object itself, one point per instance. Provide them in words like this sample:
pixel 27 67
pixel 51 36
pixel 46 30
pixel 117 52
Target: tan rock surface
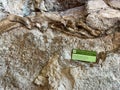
pixel 40 58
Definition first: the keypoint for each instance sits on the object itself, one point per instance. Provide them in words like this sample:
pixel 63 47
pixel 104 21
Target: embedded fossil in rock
pixel 70 22
pixel 58 21
pixel 62 23
pixel 6 25
pixel 31 22
pixel 67 22
pixel 22 20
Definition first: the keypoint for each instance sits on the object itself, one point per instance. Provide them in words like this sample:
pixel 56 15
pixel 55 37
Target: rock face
pixel 101 16
pixel 35 60
pixel 61 5
pixel 19 7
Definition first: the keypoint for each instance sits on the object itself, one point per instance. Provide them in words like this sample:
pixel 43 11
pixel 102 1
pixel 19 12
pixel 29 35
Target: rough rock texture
pixel 19 7
pixel 61 5
pixel 101 16
pixel 35 60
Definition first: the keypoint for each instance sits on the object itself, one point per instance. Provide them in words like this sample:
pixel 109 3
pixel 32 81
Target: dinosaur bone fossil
pixel 70 22
pixel 67 24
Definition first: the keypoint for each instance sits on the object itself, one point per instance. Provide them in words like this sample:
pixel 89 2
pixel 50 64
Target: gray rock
pixel 19 7
pixel 34 60
pixel 101 16
pixel 25 53
pixel 59 5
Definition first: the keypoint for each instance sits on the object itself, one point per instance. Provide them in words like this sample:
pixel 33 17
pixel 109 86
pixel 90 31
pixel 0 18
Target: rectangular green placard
pixel 84 55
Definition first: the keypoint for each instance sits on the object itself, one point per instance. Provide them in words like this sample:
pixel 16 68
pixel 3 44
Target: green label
pixel 84 55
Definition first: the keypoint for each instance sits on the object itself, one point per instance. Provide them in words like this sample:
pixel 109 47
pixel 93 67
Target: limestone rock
pixel 115 3
pixel 19 7
pixel 62 5
pixel 101 16
pixel 35 60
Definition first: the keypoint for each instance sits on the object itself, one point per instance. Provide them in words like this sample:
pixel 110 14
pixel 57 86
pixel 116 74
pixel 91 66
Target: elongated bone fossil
pixel 69 23
pixel 72 24
pixel 59 23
